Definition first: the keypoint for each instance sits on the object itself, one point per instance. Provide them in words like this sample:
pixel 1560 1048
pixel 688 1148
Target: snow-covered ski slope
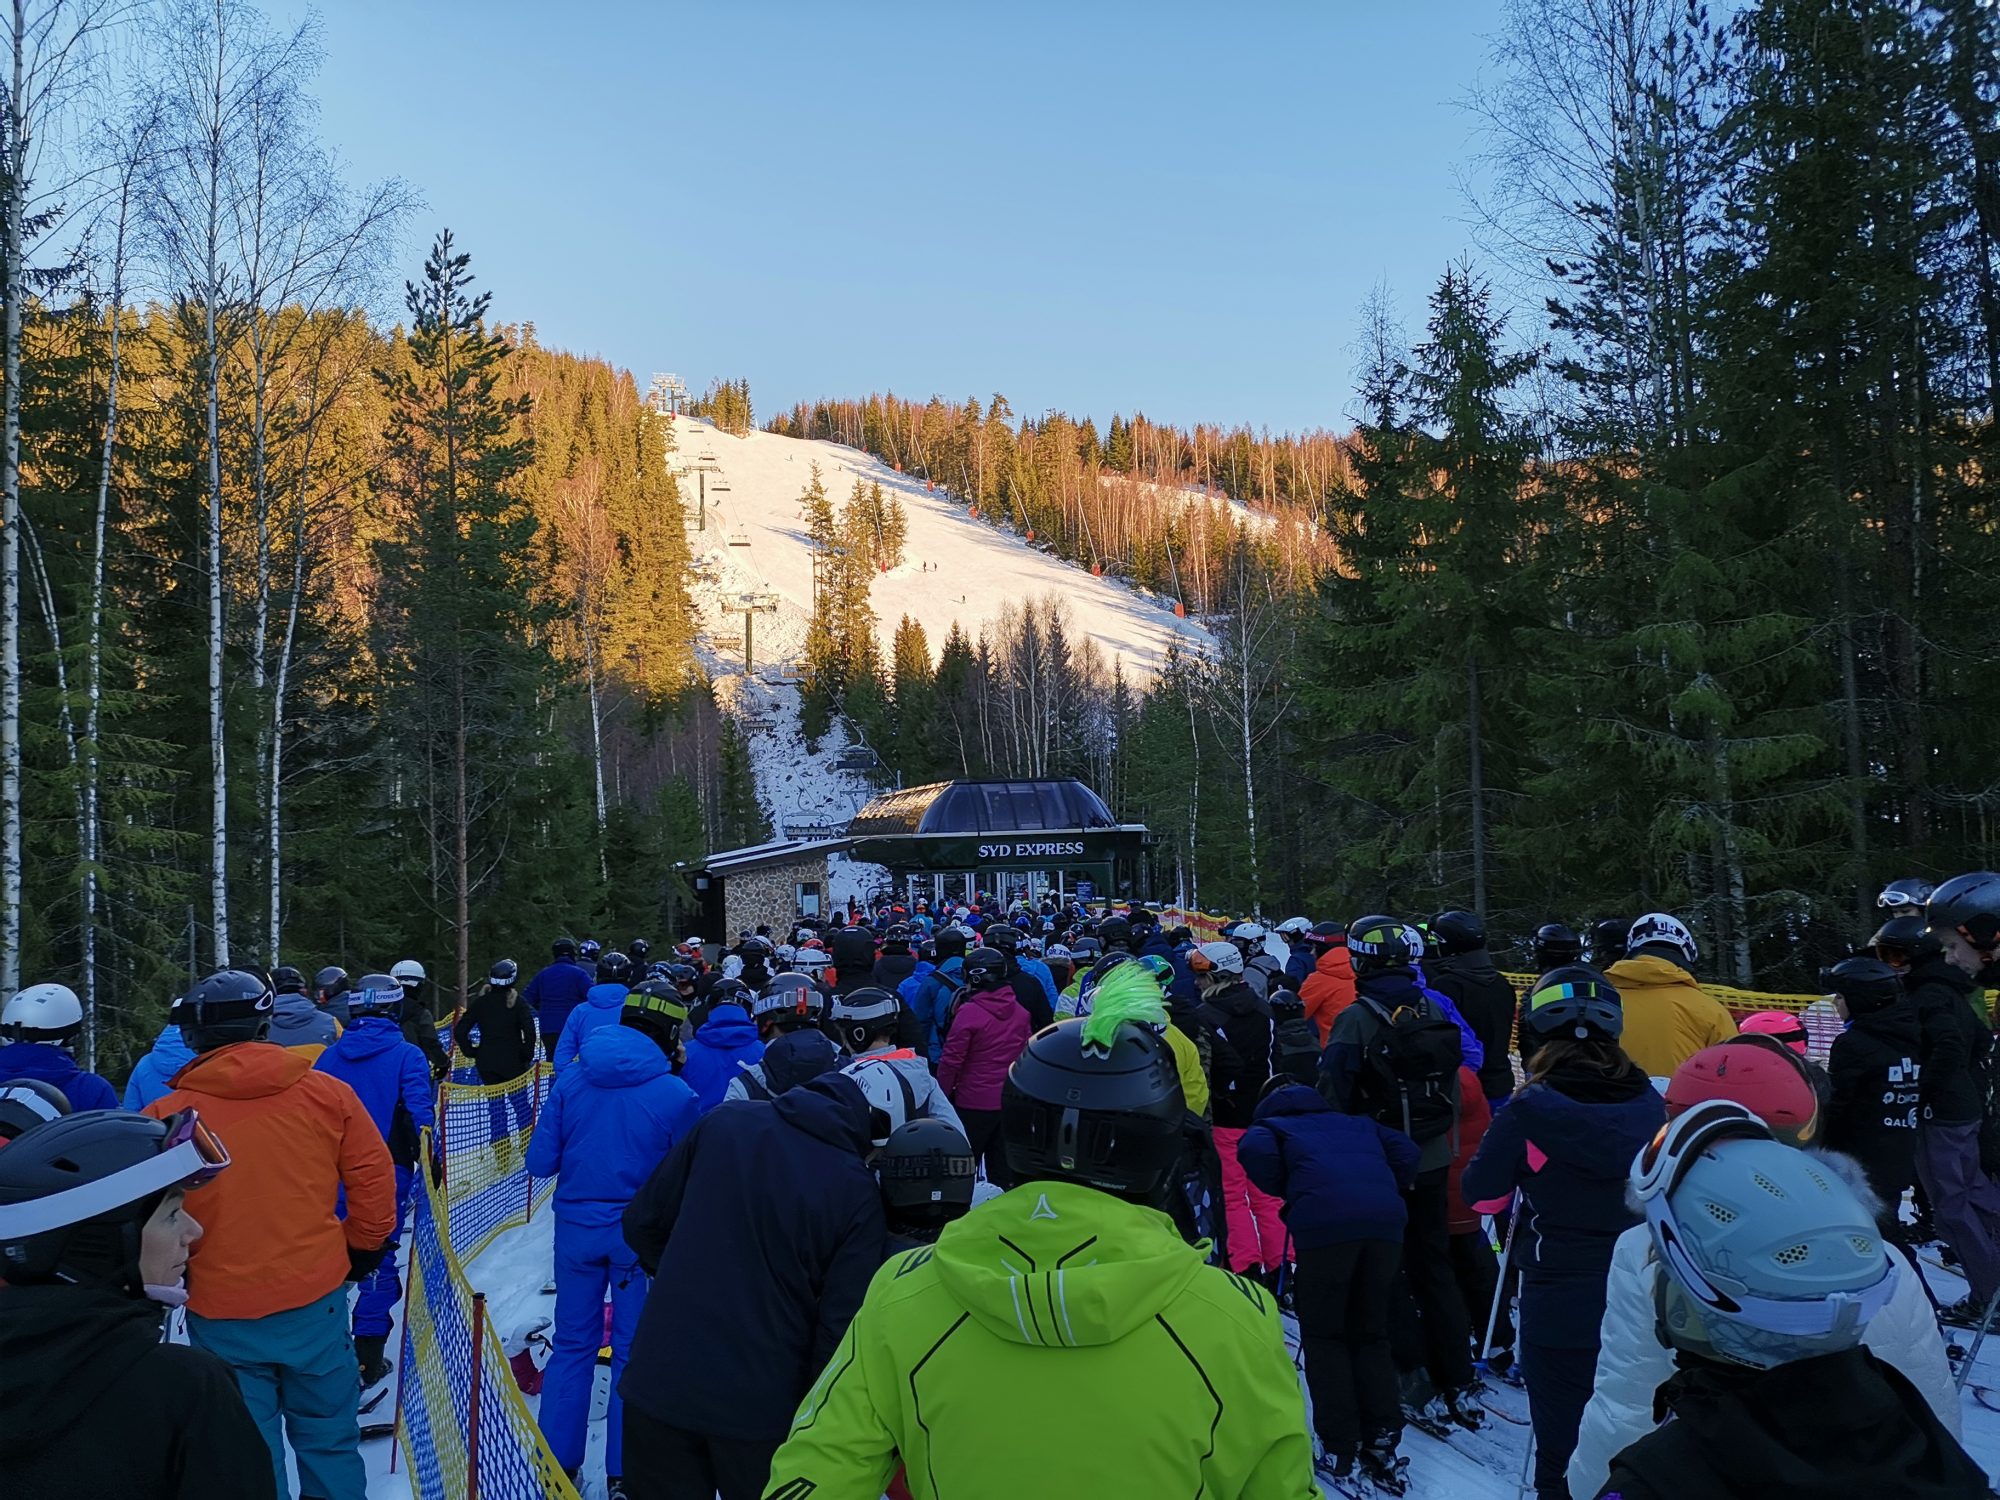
pixel 955 568
pixel 751 545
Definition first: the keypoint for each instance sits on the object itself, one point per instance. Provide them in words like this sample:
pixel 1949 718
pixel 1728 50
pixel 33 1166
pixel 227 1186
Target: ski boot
pixel 1502 1366
pixel 1967 1312
pixel 614 1487
pixel 374 1367
pixel 1462 1406
pixel 1382 1466
pixel 1339 1471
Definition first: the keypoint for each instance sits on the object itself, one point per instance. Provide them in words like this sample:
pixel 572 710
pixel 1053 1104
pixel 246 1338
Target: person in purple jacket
pixel 1342 1179
pixel 392 1078
pixel 989 1030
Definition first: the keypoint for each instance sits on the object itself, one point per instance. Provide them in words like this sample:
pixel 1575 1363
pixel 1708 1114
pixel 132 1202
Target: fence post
pixel 472 1414
pixel 534 1114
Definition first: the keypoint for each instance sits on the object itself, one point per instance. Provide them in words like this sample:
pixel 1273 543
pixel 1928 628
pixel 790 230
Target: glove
pixel 361 1264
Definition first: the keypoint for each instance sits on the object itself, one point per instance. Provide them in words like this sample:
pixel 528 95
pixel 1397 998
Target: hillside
pixel 956 570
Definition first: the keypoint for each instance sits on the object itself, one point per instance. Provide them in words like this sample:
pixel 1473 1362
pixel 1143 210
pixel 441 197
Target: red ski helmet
pixel 1768 1081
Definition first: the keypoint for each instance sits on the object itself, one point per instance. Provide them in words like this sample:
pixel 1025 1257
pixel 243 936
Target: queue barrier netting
pixel 461 1422
pixel 484 1130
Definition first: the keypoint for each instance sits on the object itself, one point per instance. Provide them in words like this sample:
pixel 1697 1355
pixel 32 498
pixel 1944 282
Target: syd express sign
pixel 1046 849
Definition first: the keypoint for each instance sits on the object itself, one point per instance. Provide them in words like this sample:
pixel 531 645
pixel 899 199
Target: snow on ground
pixel 955 570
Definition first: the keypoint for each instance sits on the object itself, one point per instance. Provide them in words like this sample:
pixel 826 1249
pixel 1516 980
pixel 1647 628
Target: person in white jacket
pixel 1632 1363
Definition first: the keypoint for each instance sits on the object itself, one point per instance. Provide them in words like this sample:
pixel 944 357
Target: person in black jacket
pixel 1872 1114
pixel 853 950
pixel 897 962
pixel 1461 969
pixel 763 1229
pixel 1965 1202
pixel 497 1031
pixel 92 1403
pixel 1028 991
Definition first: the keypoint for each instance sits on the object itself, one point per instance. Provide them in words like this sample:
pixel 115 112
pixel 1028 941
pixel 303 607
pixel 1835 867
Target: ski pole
pixel 1500 1287
pixel 1965 1370
pixel 1524 1486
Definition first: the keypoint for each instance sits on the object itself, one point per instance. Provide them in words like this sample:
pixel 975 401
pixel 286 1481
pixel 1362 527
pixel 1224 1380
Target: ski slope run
pixel 955 569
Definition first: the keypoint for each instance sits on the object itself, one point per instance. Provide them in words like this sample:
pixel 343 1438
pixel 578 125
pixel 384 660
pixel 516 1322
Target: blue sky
pixel 1170 208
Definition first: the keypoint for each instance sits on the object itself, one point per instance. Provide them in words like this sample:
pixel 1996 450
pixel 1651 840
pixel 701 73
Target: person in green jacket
pixel 1073 1280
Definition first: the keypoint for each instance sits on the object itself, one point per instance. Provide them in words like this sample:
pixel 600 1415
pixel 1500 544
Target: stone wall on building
pixel 751 898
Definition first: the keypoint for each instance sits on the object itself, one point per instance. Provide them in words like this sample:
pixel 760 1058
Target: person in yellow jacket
pixel 1070 1280
pixel 1668 1017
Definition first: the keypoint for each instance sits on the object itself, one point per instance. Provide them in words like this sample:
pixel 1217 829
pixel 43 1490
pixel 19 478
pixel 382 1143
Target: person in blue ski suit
pixel 609 1122
pixel 392 1078
pixel 930 1003
pixel 152 1076
pixel 40 1025
pixel 558 989
pixel 602 1004
pixel 726 1043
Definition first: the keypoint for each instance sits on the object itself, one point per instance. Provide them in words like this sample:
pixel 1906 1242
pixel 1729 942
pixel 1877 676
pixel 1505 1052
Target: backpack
pixel 1410 1068
pixel 1295 1050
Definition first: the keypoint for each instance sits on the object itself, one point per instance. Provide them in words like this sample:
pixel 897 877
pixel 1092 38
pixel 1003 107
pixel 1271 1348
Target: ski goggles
pixel 1902 895
pixel 1660 1167
pixel 189 1155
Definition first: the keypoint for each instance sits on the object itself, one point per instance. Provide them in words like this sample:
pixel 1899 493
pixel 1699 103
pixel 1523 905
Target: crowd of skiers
pixel 835 1198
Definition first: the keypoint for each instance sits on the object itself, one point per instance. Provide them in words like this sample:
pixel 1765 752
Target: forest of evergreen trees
pixel 333 637
pixel 1673 593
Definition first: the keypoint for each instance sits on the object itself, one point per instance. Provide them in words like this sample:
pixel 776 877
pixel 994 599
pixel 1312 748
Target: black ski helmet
pixel 504 975
pixel 329 984
pixel 659 1009
pixel 985 969
pixel 286 980
pixel 231 1005
pixel 682 976
pixel 636 950
pixel 1002 937
pixel 1115 931
pixel 1607 940
pixel 28 1102
pixel 731 992
pixel 564 947
pixel 1556 945
pixel 1906 938
pixel 376 995
pixel 1573 1001
pixel 1379 943
pixel 950 942
pixel 614 968
pixel 926 1171
pixel 1107 1116
pixel 1967 906
pixel 1458 932
pixel 866 1012
pixel 790 1002
pixel 1328 934
pixel 51 1232
pixel 1866 984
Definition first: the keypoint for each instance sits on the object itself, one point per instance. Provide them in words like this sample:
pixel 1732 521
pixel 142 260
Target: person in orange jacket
pixel 267 1284
pixel 1329 989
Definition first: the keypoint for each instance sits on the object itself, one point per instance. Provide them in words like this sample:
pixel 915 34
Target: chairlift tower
pixel 701 468
pixel 666 394
pixel 750 606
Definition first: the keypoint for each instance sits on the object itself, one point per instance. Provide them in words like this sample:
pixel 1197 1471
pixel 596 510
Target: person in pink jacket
pixel 989 1029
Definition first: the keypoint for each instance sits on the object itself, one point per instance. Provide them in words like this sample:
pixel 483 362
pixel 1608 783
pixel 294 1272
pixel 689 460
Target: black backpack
pixel 1410 1068
pixel 1295 1050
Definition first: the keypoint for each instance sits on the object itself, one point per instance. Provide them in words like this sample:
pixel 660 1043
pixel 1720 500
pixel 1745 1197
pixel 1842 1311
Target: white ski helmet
pixel 1224 958
pixel 1658 927
pixel 1295 927
pixel 891 1100
pixel 43 1013
pixel 408 973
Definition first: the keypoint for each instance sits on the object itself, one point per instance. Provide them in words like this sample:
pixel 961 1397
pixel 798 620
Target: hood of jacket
pixel 291 1012
pixel 41 1060
pixel 170 1052
pixel 1391 988
pixel 829 1108
pixel 1237 1001
pixel 1135 1265
pixel 794 1057
pixel 1595 1137
pixel 1334 962
pixel 606 996
pixel 620 1057
pixel 728 1029
pixel 62 1350
pixel 998 1004
pixel 1895 1025
pixel 1293 1099
pixel 1474 963
pixel 1648 971
pixel 1938 971
pixel 254 1070
pixel 369 1036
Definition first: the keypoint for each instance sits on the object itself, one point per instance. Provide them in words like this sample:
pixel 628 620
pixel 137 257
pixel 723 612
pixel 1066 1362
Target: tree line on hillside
pixel 322 638
pixel 1674 598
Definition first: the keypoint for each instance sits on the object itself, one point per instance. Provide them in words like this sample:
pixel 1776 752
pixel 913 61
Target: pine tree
pixel 741 819
pixel 460 635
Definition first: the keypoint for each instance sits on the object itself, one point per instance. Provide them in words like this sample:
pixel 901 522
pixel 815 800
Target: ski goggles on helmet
pixel 1659 1169
pixel 1903 893
pixel 189 1156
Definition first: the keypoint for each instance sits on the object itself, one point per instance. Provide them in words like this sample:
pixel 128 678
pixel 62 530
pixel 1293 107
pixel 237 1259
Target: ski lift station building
pixel 946 840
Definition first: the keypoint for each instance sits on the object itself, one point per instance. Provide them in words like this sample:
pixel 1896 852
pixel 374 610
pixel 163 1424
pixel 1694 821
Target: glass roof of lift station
pixel 982 807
